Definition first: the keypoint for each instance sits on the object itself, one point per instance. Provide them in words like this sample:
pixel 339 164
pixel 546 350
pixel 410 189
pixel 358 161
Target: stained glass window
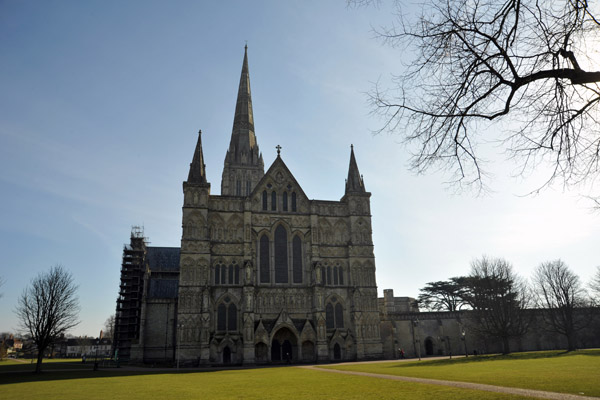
pixel 339 316
pixel 297 259
pixel 232 318
pixel 222 317
pixel 281 255
pixel 329 317
pixel 264 260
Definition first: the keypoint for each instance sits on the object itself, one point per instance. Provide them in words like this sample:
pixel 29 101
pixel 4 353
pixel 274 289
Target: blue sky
pixel 100 106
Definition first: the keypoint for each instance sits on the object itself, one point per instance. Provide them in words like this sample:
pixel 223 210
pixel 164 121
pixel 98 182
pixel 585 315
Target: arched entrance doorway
pixel 284 346
pixel 429 346
pixel 308 351
pixel 337 352
pixel 226 355
pixel 260 352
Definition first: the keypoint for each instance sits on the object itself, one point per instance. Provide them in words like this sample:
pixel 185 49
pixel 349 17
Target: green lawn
pixel 576 372
pixel 265 383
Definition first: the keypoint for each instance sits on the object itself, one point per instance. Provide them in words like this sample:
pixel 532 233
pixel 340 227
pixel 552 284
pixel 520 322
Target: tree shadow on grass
pixel 498 357
pixel 85 371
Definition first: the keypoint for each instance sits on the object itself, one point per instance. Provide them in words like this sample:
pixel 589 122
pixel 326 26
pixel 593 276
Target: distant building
pixel 78 347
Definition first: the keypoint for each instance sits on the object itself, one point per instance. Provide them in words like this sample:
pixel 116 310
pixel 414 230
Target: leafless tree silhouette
pixel 595 284
pixel 561 299
pixel 474 62
pixel 47 308
pixel 109 327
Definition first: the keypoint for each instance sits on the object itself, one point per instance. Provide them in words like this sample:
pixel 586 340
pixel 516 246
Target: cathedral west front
pixel 264 274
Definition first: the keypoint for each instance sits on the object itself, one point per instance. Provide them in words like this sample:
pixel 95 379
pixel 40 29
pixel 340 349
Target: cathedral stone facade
pixel 264 274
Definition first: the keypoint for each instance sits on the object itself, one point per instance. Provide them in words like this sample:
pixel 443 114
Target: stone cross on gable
pixel 278 147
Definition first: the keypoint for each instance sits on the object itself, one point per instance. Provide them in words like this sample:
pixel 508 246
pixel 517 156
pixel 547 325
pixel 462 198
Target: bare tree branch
pixel 484 61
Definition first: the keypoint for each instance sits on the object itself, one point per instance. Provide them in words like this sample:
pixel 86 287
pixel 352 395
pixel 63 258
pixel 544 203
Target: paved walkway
pixel 540 394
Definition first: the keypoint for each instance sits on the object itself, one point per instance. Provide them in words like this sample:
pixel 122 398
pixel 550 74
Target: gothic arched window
pixel 297 259
pixel 264 259
pixel 232 317
pixel 285 201
pixel 334 314
pixel 339 316
pixel 227 316
pixel 264 200
pixel 281 255
pixel 230 281
pixel 223 274
pixel 273 201
pixel 335 275
pixel 217 274
pixel 222 317
pixel 329 275
pixel 294 201
pixel 329 317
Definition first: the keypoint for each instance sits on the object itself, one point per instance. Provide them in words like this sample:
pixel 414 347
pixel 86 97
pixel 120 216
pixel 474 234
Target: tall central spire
pixel 243 162
pixel 243 148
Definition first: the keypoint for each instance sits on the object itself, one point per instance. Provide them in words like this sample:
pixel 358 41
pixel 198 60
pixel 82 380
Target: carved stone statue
pixel 249 272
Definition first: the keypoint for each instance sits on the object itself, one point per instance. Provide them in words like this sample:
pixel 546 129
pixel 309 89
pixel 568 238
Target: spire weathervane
pixel 278 147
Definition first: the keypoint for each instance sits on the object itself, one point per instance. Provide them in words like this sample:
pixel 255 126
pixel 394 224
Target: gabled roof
pixel 277 165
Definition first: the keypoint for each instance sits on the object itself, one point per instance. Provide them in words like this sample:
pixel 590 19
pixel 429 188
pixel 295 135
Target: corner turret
pixel 197 172
pixel 354 183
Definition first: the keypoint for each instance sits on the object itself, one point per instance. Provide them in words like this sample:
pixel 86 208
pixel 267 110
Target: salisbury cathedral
pixel 264 274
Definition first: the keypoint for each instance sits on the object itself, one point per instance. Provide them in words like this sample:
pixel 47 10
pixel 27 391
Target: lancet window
pixel 227 274
pixel 334 314
pixel 280 259
pixel 334 275
pixel 227 316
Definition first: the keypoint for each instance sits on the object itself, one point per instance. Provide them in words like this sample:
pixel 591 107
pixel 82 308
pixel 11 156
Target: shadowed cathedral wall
pixel 221 261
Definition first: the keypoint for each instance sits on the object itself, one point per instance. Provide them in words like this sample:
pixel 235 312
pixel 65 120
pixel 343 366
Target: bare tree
pixel 472 63
pixel 47 308
pixel 595 284
pixel 498 297
pixel 109 327
pixel 443 295
pixel 560 295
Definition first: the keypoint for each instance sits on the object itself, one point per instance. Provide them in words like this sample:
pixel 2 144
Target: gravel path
pixel 540 394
